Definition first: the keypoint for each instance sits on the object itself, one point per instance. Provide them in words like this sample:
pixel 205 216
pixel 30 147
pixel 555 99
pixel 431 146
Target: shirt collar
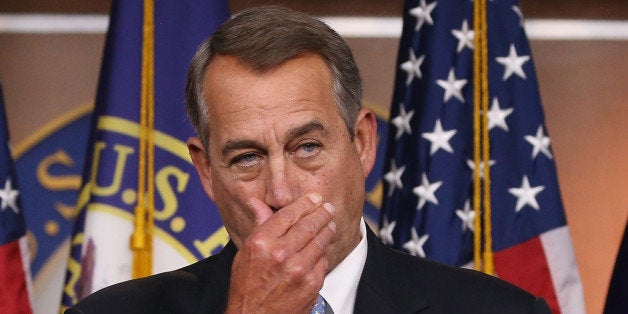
pixel 341 283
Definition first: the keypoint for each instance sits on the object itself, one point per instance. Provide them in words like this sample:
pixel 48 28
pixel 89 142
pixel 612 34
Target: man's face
pixel 278 136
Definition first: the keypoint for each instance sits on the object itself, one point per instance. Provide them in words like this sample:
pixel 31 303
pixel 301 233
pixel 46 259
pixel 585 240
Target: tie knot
pixel 321 306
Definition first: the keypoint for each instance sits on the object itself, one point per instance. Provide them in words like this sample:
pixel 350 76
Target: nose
pixel 281 189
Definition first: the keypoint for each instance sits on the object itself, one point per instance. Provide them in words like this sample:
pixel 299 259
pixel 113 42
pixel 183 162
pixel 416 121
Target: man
pixel 284 149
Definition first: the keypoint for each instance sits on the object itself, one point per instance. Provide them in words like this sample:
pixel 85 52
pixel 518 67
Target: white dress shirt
pixel 341 284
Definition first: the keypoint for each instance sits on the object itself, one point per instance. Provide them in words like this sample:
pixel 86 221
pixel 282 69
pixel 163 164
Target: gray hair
pixel 264 38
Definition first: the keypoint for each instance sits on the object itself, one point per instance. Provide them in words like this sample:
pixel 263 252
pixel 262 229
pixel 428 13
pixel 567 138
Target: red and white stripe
pixel 15 283
pixel 545 266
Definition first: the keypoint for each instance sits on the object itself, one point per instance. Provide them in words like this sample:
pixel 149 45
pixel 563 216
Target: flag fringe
pixel 482 250
pixel 142 237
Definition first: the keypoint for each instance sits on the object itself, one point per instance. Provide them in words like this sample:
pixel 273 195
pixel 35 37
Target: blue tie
pixel 321 307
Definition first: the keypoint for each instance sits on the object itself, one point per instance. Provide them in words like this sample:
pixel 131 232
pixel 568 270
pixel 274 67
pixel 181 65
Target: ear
pixel 366 139
pixel 200 159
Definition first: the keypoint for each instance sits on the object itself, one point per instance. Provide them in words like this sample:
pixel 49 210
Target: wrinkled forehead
pixel 229 78
pixel 235 93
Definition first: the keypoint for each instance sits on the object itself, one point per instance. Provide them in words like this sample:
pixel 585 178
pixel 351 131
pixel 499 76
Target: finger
pixel 305 275
pixel 261 211
pixel 317 247
pixel 320 271
pixel 281 221
pixel 308 227
pixel 310 258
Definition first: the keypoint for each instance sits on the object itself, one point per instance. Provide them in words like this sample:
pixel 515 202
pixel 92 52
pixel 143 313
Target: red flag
pixel 14 261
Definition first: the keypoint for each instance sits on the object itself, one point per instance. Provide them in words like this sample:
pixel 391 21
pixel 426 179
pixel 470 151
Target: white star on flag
pixel 517 11
pixel 425 192
pixel 412 67
pixel 467 215
pixel 540 143
pixel 513 63
pixel 385 233
pixel 415 245
pixel 9 197
pixel 393 177
pixel 439 138
pixel 452 86
pixel 423 14
pixel 402 121
pixel 464 36
pixel 497 116
pixel 526 194
pixel 471 165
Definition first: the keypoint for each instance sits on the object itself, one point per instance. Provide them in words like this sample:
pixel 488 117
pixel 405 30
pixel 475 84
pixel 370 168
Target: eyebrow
pixel 306 128
pixel 293 133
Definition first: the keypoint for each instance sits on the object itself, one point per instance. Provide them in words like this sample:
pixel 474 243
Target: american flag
pixel 428 178
pixel 14 257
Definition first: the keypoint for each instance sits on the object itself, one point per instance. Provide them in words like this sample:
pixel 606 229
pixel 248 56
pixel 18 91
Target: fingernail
pixel 330 208
pixel 332 226
pixel 315 198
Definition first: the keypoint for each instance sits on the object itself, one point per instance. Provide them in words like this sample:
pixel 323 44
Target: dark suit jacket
pixel 391 282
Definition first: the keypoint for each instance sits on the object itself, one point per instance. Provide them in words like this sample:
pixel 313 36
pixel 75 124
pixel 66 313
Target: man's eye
pixel 246 160
pixel 307 150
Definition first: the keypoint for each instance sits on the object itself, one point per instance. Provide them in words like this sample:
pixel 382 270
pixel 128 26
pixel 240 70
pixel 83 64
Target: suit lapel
pixel 381 290
pixel 214 275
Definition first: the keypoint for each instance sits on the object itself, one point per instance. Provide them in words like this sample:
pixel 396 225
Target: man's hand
pixel 281 266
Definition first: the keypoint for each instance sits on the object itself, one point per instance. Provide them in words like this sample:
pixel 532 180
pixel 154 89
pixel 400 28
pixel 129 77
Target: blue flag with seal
pixel 138 177
pixel 49 163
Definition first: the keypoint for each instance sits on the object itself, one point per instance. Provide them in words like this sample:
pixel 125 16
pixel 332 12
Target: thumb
pixel 261 211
